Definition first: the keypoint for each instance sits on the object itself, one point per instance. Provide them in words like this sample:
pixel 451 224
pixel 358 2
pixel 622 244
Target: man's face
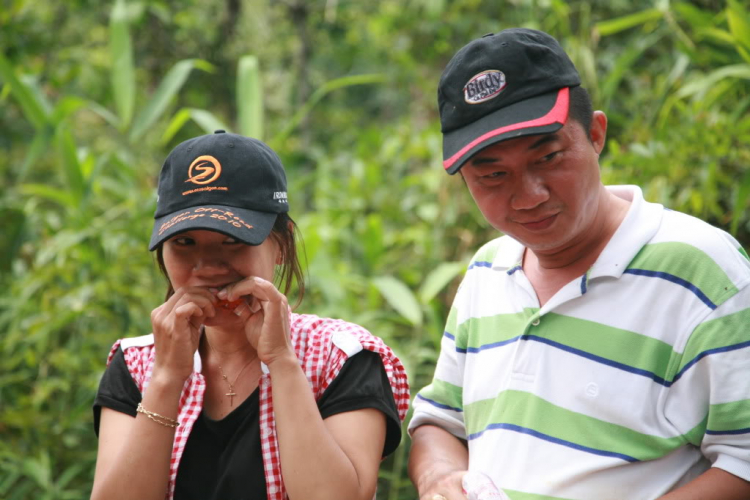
pixel 543 190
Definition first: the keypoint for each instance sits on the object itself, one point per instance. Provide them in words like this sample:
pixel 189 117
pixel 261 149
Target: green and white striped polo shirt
pixel 632 380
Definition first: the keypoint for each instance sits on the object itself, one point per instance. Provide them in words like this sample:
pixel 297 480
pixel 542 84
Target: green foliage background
pixel 94 94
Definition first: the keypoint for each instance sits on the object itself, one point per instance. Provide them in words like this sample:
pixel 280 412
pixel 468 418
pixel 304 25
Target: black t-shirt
pixel 222 458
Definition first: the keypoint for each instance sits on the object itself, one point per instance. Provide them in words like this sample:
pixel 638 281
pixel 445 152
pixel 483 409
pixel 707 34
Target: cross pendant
pixel 231 395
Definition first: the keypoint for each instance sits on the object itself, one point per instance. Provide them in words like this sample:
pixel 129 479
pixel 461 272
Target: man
pixel 601 348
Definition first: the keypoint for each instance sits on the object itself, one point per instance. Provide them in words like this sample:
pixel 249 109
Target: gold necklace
pixel 231 392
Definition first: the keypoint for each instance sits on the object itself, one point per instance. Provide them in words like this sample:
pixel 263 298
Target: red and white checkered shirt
pixel 313 339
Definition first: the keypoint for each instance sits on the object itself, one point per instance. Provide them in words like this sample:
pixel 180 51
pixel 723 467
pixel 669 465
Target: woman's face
pixel 213 260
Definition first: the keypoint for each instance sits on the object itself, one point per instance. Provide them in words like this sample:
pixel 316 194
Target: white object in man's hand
pixel 478 486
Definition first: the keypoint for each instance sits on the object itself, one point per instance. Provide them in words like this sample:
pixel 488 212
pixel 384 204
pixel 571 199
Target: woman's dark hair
pixel 581 109
pixel 285 233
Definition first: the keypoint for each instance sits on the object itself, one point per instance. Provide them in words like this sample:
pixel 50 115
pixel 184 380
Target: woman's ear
pixel 280 256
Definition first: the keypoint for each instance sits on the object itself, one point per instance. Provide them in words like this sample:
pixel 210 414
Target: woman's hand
pixel 177 325
pixel 265 315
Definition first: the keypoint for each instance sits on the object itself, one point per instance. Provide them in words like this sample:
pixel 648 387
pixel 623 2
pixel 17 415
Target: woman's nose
pixel 210 264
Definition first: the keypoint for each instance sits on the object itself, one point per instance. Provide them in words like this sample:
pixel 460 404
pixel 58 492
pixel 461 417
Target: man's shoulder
pixel 682 235
pixel 688 250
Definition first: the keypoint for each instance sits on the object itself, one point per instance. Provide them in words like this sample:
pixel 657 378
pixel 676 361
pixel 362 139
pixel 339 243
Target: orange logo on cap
pixel 204 170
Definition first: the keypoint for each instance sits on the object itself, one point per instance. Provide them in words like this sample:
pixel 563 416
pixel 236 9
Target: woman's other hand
pixel 177 325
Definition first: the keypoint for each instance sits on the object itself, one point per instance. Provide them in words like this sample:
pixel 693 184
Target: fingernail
pixel 222 293
pixel 213 290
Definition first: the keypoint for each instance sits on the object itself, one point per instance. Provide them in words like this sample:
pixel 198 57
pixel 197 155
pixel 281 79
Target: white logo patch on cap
pixel 280 196
pixel 484 86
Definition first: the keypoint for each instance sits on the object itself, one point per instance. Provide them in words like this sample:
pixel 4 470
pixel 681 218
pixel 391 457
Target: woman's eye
pixel 231 241
pixel 183 241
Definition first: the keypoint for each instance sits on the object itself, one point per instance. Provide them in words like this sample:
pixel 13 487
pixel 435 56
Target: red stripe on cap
pixel 558 113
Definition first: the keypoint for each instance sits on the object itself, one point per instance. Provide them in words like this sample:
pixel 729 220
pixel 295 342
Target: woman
pixel 217 403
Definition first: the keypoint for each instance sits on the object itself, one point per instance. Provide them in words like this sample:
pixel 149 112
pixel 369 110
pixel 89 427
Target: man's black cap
pixel 498 87
pixel 221 182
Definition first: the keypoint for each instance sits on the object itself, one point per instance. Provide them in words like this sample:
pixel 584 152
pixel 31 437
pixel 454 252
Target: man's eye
pixel 550 156
pixel 494 175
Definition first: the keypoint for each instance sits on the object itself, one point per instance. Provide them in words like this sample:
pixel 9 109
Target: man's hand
pixel 443 487
pixel 437 463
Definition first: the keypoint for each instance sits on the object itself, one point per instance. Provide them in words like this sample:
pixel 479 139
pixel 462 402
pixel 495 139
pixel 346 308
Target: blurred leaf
pixel 66 106
pixel 50 193
pixel 612 26
pixel 104 113
pixel 319 94
pixel 206 120
pixel 400 297
pixel 249 97
pixel 717 35
pixel 69 474
pixel 37 148
pixel 439 279
pixel 39 469
pixel 7 479
pixel 741 203
pixel 21 492
pixel 175 124
pixel 34 107
pixel 624 65
pixel 703 84
pixel 168 88
pixel 123 72
pixel 739 25
pixel 11 236
pixel 66 149
pixel 372 240
pixel 696 17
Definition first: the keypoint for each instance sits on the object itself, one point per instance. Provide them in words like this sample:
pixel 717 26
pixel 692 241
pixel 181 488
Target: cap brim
pixel 541 114
pixel 248 226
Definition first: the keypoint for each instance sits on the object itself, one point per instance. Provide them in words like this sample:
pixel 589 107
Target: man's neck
pixel 610 212
pixel 550 271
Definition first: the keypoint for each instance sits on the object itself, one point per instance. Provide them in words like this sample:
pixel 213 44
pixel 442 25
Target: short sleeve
pixel 363 383
pixel 709 400
pixel 117 390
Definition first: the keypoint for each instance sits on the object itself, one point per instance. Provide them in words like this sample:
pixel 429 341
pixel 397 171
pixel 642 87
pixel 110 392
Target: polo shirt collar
pixel 509 254
pixel 637 228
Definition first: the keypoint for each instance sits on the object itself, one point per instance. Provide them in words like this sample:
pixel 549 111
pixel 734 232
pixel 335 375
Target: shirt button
pixel 536 322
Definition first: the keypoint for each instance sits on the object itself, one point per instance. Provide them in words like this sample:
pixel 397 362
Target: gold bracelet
pixel 159 419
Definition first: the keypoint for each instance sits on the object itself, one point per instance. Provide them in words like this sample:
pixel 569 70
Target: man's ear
pixel 598 130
